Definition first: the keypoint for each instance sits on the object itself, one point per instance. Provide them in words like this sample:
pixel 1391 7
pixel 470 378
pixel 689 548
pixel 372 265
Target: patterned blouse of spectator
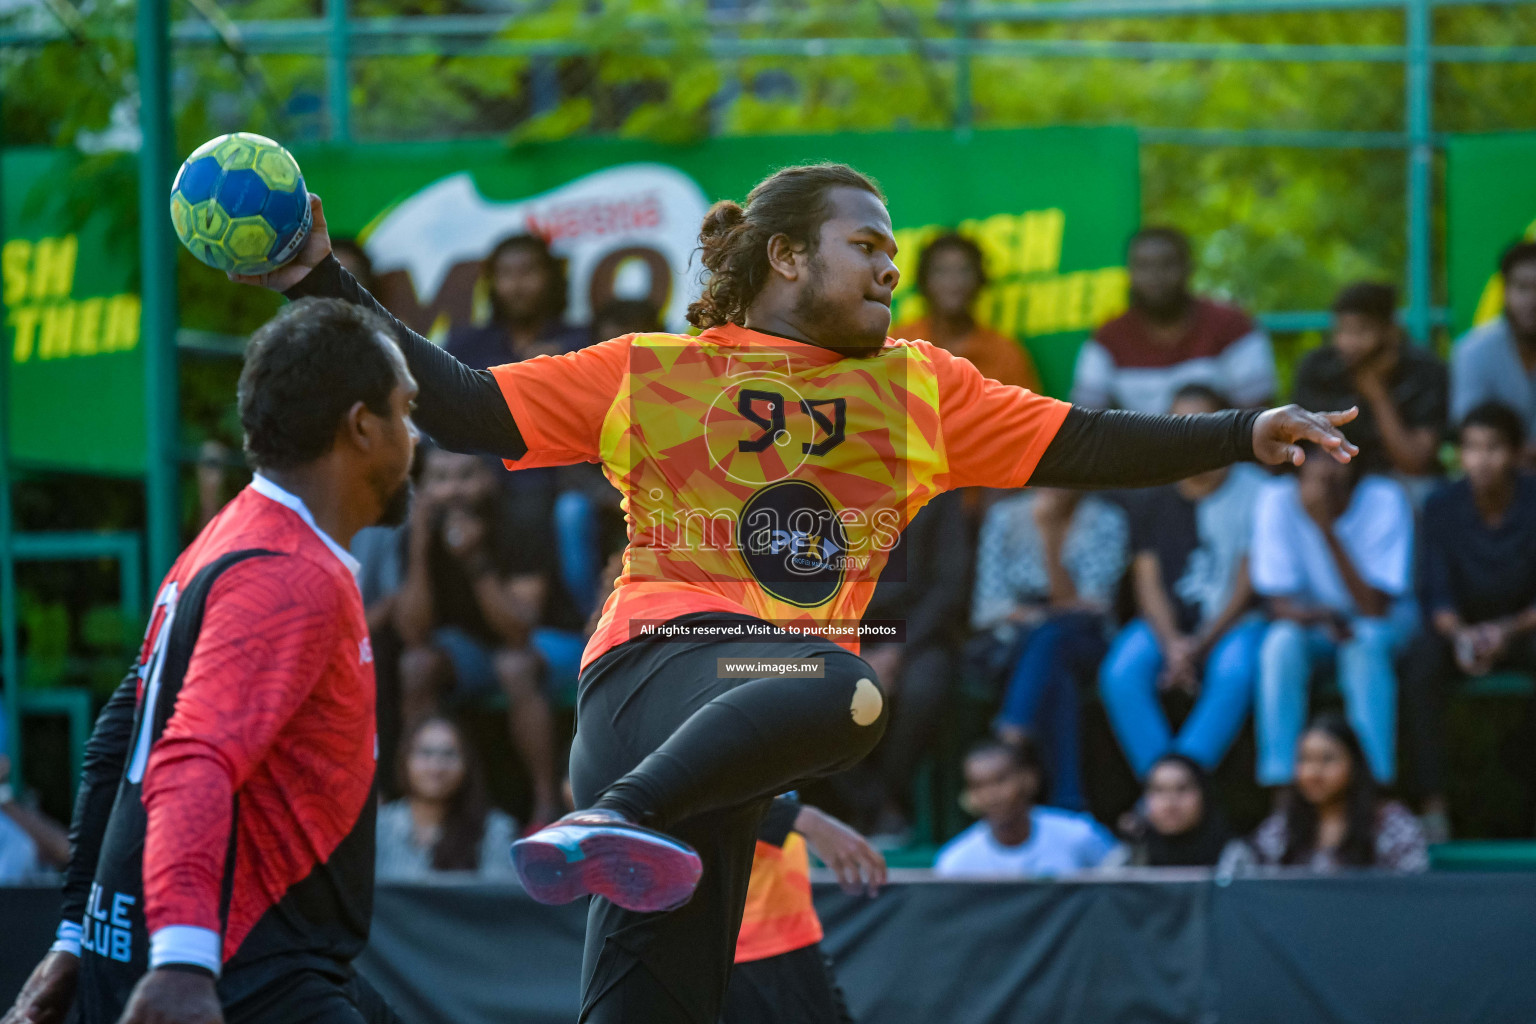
pixel 1170 337
pixel 1331 817
pixel 1400 844
pixel 1010 561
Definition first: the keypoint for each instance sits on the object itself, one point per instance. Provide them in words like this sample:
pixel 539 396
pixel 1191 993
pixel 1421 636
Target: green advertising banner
pixel 1490 203
pixel 1051 209
pixel 71 327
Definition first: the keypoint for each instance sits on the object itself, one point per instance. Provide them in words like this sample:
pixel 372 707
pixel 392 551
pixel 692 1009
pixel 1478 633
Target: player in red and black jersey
pixel 223 839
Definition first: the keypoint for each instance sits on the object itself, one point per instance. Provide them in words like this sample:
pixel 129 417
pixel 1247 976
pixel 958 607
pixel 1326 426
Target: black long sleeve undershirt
pixel 461 409
pixel 779 822
pixel 105 753
pixel 1115 448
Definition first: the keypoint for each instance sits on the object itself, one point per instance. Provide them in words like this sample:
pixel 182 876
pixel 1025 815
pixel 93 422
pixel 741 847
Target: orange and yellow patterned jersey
pixel 780 916
pixel 766 476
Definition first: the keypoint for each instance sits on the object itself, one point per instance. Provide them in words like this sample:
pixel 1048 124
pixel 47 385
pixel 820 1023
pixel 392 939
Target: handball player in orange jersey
pixel 767 466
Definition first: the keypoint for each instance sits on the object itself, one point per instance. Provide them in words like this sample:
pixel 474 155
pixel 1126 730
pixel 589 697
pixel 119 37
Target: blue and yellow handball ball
pixel 239 204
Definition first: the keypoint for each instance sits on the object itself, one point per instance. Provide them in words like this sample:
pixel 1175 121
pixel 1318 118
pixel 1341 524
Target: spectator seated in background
pixel 1331 555
pixel 951 273
pixel 1331 817
pixel 618 317
pixel 1497 361
pixel 1477 588
pixel 526 288
pixel 1015 837
pixel 1181 826
pixel 1195 630
pixel 32 846
pixel 443 821
pixel 1401 389
pixel 924 586
pixel 1047 570
pixel 1170 337
pixel 470 609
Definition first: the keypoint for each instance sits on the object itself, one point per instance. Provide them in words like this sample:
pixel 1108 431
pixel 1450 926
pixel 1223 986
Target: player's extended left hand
pixel 1278 433
pixel 859 867
pixel 173 997
pixel 314 251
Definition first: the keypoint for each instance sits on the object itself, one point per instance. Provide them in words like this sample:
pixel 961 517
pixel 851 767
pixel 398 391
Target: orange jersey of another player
pixel 765 476
pixel 779 917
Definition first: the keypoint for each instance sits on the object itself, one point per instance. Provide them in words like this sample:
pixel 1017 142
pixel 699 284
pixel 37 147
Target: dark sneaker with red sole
pixel 602 854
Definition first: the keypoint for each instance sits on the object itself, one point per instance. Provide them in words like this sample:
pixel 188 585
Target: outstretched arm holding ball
pixel 462 409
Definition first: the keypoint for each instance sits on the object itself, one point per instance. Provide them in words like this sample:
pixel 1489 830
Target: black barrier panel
pixel 463 954
pixel 1440 949
pixel 953 952
pixel 28 918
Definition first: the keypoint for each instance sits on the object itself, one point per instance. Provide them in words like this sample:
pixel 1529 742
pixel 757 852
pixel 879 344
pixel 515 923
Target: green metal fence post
pixel 337 76
pixel 10 635
pixel 964 111
pixel 1419 15
pixel 157 258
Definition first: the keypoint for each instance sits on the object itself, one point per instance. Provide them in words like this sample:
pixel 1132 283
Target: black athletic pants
pixel 796 986
pixel 311 997
pixel 662 738
pixel 1427 673
pixel 299 996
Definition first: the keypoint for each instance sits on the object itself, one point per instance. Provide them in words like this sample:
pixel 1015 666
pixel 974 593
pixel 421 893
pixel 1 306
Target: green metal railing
pixel 340 40
pixel 125 548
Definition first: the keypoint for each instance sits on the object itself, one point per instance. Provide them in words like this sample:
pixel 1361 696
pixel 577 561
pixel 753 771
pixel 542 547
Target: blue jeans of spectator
pixel 474 669
pixel 1041 697
pixel 1128 687
pixel 561 650
pixel 1366 677
pixel 577 544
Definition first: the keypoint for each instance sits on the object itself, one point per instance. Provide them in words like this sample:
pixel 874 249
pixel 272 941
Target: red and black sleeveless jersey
pixel 241 835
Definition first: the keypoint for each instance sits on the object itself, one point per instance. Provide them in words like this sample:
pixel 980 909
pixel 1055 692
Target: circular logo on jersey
pixel 792 540
pixel 756 431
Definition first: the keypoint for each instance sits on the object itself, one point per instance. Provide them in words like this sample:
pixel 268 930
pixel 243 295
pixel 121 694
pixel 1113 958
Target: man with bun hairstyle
pixel 767 466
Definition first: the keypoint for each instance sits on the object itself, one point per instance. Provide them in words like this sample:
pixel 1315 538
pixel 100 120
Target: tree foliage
pixel 1277 228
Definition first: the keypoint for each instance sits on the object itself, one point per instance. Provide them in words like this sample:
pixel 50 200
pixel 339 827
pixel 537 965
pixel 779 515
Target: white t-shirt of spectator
pixel 1060 843
pixel 19 862
pixel 1289 556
